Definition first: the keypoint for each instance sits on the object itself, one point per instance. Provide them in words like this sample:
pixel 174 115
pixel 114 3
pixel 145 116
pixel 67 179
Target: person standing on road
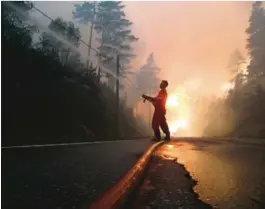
pixel 159 116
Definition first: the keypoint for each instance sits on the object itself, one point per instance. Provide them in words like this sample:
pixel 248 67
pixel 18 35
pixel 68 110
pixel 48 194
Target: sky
pixel 190 40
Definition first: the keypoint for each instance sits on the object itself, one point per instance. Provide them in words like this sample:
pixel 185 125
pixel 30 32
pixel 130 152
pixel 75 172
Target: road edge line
pixel 114 197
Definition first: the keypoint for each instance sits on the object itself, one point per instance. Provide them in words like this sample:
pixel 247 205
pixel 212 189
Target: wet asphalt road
pixel 64 177
pixel 229 175
pixel 167 185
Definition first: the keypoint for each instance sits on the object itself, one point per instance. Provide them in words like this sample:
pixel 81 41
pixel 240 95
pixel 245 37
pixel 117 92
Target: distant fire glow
pixel 177 109
pixel 172 101
pixel 178 124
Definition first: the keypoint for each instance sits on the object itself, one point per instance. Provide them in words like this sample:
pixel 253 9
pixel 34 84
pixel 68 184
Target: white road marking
pixel 63 144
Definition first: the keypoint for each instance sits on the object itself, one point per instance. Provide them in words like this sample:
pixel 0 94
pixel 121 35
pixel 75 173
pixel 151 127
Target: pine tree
pixel 256 41
pixel 14 15
pixel 235 62
pixel 235 69
pixel 256 48
pixel 147 78
pixel 16 12
pixel 86 14
pixel 113 32
pixel 116 35
pixel 248 100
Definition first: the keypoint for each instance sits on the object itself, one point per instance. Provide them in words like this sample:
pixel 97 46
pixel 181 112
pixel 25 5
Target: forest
pixel 48 94
pixel 242 112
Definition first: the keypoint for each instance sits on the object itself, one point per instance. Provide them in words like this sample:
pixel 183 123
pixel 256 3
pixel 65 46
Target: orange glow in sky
pixel 190 39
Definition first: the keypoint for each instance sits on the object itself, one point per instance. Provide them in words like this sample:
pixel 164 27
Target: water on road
pixel 229 175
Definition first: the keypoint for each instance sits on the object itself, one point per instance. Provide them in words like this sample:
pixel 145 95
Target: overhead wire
pixel 89 46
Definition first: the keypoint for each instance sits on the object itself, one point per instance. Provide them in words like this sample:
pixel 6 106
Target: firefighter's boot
pixel 167 138
pixel 157 136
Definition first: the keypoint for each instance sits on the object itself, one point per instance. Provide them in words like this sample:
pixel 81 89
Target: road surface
pixel 229 175
pixel 64 176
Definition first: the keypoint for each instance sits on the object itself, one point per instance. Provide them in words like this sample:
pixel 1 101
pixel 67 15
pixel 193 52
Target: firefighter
pixel 159 116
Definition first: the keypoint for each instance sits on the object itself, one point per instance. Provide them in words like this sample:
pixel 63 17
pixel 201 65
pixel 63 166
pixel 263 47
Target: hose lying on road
pixel 117 195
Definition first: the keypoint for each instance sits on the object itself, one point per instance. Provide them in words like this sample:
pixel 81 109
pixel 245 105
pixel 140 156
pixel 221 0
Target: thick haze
pixel 189 39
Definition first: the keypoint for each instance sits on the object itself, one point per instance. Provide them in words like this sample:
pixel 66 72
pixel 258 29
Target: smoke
pixel 65 8
pixel 191 41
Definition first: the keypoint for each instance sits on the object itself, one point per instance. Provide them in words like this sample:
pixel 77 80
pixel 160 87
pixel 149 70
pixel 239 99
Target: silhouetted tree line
pixel 242 112
pixel 47 93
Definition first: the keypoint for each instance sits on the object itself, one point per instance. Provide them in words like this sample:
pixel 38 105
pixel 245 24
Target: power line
pixel 79 38
pixel 47 16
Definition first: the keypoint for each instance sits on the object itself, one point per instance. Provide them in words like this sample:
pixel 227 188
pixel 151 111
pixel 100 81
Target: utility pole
pixel 117 94
pixel 99 70
pixel 90 35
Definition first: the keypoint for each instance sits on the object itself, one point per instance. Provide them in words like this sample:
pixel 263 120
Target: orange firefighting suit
pixel 159 116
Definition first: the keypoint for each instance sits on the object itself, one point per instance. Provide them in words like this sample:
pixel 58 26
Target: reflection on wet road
pixel 229 175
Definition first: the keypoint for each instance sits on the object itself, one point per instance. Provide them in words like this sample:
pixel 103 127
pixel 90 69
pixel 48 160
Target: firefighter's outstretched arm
pixel 152 99
pixel 148 98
